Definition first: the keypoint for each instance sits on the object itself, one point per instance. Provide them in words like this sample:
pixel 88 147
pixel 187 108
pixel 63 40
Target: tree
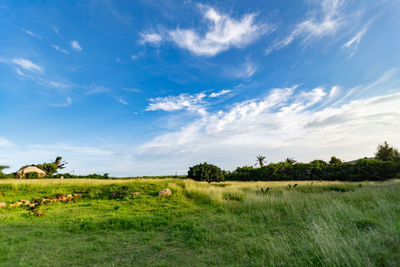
pixel 260 161
pixel 206 172
pixel 60 165
pixel 335 160
pixel 49 168
pixel 291 161
pixel 2 167
pixel 387 153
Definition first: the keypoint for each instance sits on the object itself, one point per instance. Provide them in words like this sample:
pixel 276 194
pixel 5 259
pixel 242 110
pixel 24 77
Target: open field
pixel 230 223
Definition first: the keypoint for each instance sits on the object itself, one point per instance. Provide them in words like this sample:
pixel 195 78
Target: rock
pixel 135 193
pixel 114 195
pixel 16 204
pixel 165 193
pixel 62 177
pixel 3 204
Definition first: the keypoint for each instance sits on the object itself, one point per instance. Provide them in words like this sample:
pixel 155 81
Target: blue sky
pixel 153 87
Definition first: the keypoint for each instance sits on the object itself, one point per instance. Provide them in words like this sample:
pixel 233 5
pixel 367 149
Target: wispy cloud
pixel 246 70
pixel 316 27
pixel 31 33
pixel 56 47
pixel 223 32
pixel 180 102
pixel 40 79
pixel 76 46
pixel 95 89
pixel 353 43
pixel 122 101
pixel 27 65
pixel 220 93
pixel 66 104
pixel 152 38
pixel 282 122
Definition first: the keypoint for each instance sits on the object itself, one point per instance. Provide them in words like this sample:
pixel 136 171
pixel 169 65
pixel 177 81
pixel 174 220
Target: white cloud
pixel 95 89
pixel 152 38
pixel 220 93
pixel 353 43
pixel 56 47
pixel 245 71
pixel 313 28
pixel 282 124
pixel 31 33
pixel 5 143
pixel 76 46
pixel 122 101
pixel 223 32
pixel 27 65
pixel 180 102
pixel 66 104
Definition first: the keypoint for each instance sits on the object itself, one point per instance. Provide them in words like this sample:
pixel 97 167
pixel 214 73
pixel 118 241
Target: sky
pixel 134 88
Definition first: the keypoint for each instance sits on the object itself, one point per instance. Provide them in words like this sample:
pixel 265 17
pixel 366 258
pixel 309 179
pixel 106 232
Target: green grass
pixel 226 224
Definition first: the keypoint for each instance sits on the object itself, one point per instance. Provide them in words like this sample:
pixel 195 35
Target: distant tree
pixel 206 172
pixel 335 160
pixel 260 161
pixel 60 164
pixel 52 168
pixel 2 167
pixel 387 153
pixel 291 161
pixel 49 168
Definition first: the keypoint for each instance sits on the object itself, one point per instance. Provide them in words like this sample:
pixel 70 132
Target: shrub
pixel 206 172
pixel 31 175
pixel 49 168
pixel 361 170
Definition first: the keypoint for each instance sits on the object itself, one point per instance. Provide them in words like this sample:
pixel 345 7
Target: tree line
pixel 385 165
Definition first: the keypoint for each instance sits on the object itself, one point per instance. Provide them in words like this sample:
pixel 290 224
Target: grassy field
pixel 224 224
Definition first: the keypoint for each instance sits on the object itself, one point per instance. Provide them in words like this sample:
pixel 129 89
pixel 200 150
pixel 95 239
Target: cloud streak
pixel 27 65
pixel 314 28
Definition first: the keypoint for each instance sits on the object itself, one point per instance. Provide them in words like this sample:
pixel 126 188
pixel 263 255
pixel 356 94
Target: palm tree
pixel 260 161
pixel 60 165
pixel 291 161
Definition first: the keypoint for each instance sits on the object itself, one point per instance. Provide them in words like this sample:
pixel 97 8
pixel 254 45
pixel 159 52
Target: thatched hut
pixel 22 172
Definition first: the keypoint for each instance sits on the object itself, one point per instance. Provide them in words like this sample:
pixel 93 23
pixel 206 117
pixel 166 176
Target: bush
pixel 49 168
pixel 31 175
pixel 206 172
pixel 361 170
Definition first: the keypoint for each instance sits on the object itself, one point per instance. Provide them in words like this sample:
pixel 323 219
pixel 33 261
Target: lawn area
pixel 219 224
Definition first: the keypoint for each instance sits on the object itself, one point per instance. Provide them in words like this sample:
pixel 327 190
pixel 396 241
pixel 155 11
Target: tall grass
pixel 224 224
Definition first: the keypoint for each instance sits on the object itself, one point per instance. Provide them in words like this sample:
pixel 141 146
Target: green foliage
pixel 387 153
pixel 363 169
pixel 335 160
pixel 31 175
pixel 206 172
pixel 321 227
pixel 3 175
pixel 49 168
pixel 260 161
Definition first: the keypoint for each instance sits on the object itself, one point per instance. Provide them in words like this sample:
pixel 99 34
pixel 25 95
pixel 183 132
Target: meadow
pixel 219 224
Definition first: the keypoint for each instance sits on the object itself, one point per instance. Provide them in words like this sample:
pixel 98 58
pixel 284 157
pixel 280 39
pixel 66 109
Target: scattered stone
pixel 135 193
pixel 114 195
pixel 3 205
pixel 165 193
pixel 16 204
